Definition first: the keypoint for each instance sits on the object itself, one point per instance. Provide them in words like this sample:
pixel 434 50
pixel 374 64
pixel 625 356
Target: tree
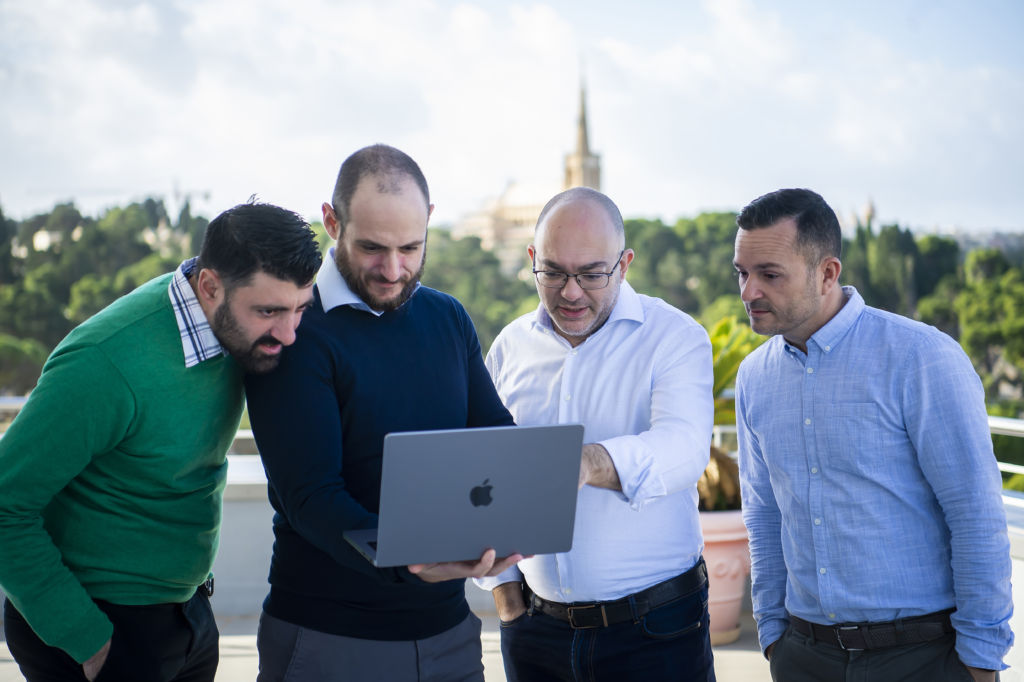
pixel 9 270
pixel 991 315
pixel 938 258
pixel 21 361
pixel 460 267
pixel 892 258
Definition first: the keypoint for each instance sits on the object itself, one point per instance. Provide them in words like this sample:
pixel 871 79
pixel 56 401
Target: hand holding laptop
pixel 488 565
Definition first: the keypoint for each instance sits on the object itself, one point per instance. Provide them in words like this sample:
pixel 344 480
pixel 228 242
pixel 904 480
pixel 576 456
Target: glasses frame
pixel 576 275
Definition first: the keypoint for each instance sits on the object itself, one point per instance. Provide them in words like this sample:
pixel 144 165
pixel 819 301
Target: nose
pixel 749 291
pixel 571 290
pixel 391 267
pixel 285 332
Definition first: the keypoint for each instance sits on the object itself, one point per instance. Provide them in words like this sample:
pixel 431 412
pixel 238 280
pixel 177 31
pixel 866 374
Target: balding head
pixel 592 196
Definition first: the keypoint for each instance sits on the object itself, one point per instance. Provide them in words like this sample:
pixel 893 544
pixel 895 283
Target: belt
pixel 862 636
pixel 630 608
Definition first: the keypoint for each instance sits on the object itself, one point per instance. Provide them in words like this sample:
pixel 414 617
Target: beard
pixel 232 337
pixel 358 282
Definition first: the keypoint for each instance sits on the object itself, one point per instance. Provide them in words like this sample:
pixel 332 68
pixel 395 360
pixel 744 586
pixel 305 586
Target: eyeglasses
pixel 553 279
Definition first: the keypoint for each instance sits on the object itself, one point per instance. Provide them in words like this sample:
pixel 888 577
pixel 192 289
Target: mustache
pixel 266 340
pixel 758 307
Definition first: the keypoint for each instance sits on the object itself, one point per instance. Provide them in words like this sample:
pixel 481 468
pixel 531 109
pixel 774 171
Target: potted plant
pixel 725 537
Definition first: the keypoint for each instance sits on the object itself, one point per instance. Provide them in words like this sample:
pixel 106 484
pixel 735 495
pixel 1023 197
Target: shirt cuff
pixel 770 631
pixel 634 467
pixel 509 575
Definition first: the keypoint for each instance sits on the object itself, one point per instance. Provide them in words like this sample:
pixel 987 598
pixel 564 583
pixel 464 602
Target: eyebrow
pixel 278 308
pixel 760 266
pixel 589 266
pixel 370 242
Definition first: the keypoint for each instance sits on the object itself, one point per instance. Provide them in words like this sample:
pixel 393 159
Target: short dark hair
pixel 381 160
pixel 587 194
pixel 255 237
pixel 817 226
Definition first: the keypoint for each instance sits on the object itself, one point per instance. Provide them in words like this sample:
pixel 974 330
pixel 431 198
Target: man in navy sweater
pixel 376 353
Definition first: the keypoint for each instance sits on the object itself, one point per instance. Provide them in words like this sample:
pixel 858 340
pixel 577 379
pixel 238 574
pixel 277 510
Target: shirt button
pixel 817 522
pixel 807 422
pixel 828 348
pixel 814 470
pixel 810 370
pixel 821 570
pixel 831 616
pixel 568 590
pixel 568 397
pixel 574 351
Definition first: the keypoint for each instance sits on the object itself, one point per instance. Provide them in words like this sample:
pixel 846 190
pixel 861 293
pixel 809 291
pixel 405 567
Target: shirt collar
pixel 334 290
pixel 627 307
pixel 828 337
pixel 198 341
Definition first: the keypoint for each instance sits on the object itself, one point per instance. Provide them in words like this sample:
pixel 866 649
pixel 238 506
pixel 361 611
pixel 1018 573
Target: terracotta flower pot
pixel 728 559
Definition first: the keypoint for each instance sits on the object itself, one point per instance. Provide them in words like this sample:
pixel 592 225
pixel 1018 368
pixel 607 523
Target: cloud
pixel 691 108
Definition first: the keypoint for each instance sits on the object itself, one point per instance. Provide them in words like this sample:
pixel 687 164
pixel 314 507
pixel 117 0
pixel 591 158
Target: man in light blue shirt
pixel 871 494
pixel 629 600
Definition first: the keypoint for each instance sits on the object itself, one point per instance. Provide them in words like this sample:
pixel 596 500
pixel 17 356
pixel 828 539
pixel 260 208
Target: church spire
pixel 582 167
pixel 582 143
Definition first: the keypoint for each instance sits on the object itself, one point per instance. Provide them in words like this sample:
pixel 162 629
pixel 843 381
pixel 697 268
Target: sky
pixel 915 105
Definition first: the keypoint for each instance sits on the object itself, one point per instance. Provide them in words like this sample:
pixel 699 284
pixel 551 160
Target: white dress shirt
pixel 642 387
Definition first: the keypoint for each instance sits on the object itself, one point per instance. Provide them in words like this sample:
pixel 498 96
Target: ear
pixel 627 258
pixel 330 221
pixel 831 268
pixel 209 289
pixel 430 212
pixel 531 252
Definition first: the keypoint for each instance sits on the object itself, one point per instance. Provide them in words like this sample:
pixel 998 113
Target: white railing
pixel 722 435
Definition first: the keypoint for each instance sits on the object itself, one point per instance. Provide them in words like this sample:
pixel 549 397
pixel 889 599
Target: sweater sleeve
pixel 81 408
pixel 485 406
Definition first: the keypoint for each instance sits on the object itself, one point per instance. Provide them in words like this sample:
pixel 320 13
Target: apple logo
pixel 480 496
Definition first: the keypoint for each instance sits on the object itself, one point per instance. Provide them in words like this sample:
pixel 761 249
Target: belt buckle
pixel 571 612
pixel 839 629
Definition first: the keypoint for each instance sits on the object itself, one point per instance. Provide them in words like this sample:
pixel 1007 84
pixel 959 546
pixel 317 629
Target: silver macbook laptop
pixel 449 495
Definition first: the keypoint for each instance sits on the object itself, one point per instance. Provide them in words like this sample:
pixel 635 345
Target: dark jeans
pixel 669 643
pixel 157 643
pixel 798 658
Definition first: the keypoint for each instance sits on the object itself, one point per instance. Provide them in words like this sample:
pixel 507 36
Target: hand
pixel 768 651
pixel 982 675
pixel 92 667
pixel 597 468
pixel 508 600
pixel 488 565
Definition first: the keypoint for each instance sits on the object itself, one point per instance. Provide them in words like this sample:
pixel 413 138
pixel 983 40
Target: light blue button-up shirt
pixel 870 489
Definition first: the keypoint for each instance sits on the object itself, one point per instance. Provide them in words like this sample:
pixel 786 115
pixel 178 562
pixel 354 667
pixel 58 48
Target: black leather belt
pixel 862 636
pixel 629 608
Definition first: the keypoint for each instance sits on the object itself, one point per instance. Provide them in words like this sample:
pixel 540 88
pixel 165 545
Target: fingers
pixel 419 568
pixel 502 565
pixel 487 566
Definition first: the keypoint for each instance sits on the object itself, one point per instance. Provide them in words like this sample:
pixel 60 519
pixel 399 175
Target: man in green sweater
pixel 111 476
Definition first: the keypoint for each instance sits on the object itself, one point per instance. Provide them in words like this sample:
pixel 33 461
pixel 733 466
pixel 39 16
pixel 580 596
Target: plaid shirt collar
pixel 197 338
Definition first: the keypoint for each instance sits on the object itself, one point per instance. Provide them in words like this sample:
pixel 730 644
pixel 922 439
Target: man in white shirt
pixel 629 600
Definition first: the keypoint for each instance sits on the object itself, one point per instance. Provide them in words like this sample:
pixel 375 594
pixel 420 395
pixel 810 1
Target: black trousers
pixel 156 643
pixel 799 658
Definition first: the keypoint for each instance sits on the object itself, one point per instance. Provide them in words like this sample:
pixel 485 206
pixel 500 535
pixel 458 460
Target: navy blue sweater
pixel 320 419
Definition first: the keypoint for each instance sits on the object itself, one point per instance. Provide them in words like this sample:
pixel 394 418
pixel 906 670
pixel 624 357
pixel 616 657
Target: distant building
pixel 505 224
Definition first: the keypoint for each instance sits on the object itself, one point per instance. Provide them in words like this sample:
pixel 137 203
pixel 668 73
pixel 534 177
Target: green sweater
pixel 111 477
